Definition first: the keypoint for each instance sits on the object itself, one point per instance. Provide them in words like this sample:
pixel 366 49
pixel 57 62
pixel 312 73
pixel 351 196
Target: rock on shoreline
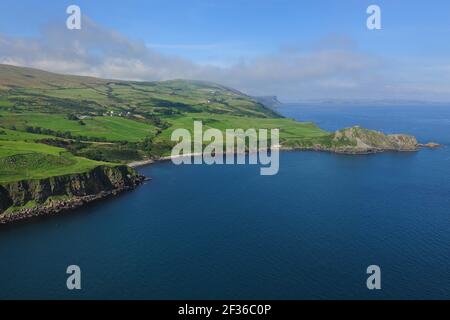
pixel 360 140
pixel 357 140
pixel 431 145
pixel 62 193
pixel 58 194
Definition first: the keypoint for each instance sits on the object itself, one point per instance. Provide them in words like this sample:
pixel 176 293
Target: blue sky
pixel 413 43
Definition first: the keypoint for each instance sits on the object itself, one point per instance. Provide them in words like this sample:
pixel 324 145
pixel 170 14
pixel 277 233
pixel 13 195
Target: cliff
pixel 360 140
pixel 357 140
pixel 22 199
pixel 269 101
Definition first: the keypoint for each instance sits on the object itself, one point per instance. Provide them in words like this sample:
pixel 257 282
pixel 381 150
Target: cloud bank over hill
pixel 334 68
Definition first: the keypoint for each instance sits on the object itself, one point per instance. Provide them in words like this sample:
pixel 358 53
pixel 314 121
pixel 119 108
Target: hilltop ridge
pixel 58 93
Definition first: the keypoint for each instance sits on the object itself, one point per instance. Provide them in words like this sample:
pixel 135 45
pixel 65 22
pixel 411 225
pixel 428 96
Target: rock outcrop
pixel 72 190
pixel 357 140
pixel 431 145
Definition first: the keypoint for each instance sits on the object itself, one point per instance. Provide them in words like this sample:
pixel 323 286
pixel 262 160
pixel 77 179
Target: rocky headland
pixel 358 140
pixel 29 198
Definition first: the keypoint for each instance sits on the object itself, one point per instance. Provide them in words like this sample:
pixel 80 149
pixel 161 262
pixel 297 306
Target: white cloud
pixel 333 68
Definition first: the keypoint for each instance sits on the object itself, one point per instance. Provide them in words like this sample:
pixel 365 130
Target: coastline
pixel 61 206
pixel 318 148
pixel 55 195
pixel 143 163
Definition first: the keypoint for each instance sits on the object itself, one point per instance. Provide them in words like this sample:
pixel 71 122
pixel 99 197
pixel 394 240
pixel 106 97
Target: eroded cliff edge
pixel 28 198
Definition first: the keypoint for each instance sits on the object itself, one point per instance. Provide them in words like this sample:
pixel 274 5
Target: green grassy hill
pixel 24 89
pixel 63 137
pixel 20 77
pixel 21 160
pixel 52 124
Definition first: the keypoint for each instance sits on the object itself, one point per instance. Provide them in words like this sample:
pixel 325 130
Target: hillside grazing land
pixel 53 124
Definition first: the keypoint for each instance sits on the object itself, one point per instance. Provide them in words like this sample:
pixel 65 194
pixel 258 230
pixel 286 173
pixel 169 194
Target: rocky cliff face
pixel 74 188
pixel 269 101
pixel 356 140
pixel 360 140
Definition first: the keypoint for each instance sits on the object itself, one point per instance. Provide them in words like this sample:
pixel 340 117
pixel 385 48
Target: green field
pixel 289 129
pixel 14 135
pixel 291 132
pixel 27 160
pixel 56 124
pixel 106 127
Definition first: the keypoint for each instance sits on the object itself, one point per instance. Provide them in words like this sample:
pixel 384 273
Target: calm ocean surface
pixel 225 232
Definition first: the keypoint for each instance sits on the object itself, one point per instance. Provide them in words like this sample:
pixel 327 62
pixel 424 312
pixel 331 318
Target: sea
pixel 226 232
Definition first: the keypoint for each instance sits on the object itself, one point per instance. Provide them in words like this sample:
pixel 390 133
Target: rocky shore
pixel 357 140
pixel 60 194
pixel 25 199
pixel 141 163
pixel 353 141
pixel 430 145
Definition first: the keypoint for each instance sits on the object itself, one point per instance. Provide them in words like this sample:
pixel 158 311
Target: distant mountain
pixel 366 102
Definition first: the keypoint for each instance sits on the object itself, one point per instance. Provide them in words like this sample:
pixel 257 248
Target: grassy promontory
pixel 64 139
pixel 34 197
pixel 357 140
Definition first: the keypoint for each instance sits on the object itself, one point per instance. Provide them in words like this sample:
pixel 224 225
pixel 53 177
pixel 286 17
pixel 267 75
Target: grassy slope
pixel 29 160
pixel 109 128
pixel 291 131
pixel 37 105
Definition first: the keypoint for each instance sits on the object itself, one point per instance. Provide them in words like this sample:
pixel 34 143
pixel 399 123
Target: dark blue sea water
pixel 225 232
